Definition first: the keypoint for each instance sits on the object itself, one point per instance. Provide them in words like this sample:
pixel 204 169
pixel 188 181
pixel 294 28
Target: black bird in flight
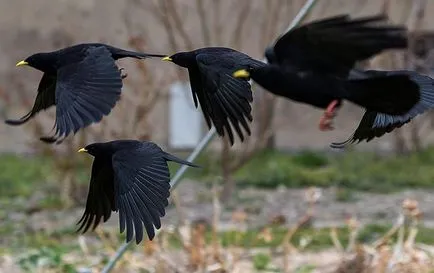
pixel 131 177
pixel 83 81
pixel 314 64
pixel 224 100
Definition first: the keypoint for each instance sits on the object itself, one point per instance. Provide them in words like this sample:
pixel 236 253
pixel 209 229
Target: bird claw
pixel 123 75
pixel 325 123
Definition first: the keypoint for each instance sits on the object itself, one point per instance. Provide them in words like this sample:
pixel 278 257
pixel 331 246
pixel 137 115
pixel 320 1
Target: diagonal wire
pixel 201 146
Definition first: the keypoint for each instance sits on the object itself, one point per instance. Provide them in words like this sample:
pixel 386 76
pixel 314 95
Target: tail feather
pixel 426 101
pixel 393 94
pixel 173 158
pixel 366 131
pixel 376 124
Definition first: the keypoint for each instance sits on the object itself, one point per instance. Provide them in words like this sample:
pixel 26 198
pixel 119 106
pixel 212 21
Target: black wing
pixel 375 124
pixel 100 199
pixel 85 92
pixel 44 99
pixel 335 44
pixel 142 184
pixel 225 100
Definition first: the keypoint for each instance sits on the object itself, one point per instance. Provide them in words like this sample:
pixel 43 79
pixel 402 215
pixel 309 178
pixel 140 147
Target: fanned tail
pixel 376 124
pixel 389 93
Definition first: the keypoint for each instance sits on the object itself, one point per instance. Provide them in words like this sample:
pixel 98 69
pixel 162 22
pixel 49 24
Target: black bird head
pixel 41 61
pixel 270 55
pixel 184 59
pixel 107 148
pixel 93 149
pixel 98 149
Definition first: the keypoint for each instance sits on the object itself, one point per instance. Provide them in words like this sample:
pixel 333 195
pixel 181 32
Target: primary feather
pixel 82 81
pixel 224 100
pixel 133 178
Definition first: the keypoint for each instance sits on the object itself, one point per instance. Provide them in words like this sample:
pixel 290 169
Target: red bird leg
pixel 325 123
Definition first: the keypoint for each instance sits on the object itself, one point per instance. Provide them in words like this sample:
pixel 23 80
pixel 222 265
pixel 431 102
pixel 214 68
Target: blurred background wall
pixel 150 107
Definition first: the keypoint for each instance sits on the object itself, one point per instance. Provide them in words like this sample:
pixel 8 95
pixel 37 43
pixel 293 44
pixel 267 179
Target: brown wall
pixel 28 26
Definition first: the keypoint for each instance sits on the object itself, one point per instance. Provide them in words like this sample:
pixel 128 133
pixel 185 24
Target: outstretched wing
pixel 335 44
pixel 85 92
pixel 225 100
pixel 142 184
pixel 100 199
pixel 44 99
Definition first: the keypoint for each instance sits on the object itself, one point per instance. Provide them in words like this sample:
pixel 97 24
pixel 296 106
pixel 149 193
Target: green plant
pixel 261 261
pixel 35 259
pixel 20 176
pixel 310 159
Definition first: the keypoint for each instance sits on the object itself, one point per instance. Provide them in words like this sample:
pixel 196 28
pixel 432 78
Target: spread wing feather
pixel 85 92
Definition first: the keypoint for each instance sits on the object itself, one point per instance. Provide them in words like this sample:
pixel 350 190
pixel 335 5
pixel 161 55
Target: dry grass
pixel 200 250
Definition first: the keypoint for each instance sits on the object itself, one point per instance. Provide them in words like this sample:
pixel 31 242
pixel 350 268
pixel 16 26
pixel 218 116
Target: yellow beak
pixel 242 73
pixel 167 58
pixel 22 63
pixel 82 150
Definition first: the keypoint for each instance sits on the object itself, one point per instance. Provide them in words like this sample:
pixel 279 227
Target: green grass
pixel 360 171
pixel 51 257
pixel 20 176
pixel 352 171
pixel 261 261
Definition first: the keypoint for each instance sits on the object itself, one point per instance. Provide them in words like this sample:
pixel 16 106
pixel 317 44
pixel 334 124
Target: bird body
pixel 305 87
pixel 83 81
pixel 225 100
pixel 131 177
pixel 314 64
pixel 390 94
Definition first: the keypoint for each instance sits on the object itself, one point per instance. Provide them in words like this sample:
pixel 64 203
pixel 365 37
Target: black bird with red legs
pixel 314 64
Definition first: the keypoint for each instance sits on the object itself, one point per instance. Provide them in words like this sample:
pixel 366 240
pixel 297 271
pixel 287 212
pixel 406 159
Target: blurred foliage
pixel 64 241
pixel 349 171
pixel 354 170
pixel 20 176
pixel 305 269
pixel 261 261
pixel 345 195
pixel 44 257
